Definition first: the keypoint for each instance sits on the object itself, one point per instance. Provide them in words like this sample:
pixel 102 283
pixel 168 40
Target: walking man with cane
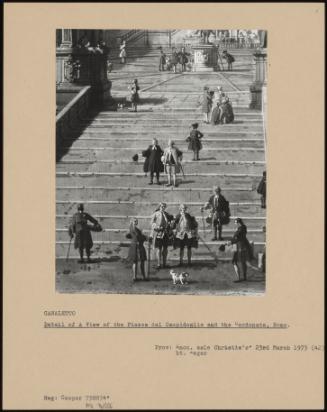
pixel 219 213
pixel 82 231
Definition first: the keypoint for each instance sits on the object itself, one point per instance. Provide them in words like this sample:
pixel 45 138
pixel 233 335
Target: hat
pixel 195 125
pixel 135 157
pixel 222 248
pixel 80 206
pixel 219 88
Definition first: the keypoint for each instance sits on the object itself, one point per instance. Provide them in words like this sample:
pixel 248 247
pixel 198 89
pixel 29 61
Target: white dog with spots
pixel 179 277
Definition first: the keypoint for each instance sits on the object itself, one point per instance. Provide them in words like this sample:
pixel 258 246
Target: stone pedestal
pixel 205 57
pixel 82 66
pixel 260 80
pixel 91 69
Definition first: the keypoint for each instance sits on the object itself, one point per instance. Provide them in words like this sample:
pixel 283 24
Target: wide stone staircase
pixel 97 168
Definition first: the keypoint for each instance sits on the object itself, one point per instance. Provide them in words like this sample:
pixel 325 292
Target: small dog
pixel 179 277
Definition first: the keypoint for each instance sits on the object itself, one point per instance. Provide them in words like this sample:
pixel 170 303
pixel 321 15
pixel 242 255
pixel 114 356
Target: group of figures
pixel 179 232
pixel 216 107
pixel 168 63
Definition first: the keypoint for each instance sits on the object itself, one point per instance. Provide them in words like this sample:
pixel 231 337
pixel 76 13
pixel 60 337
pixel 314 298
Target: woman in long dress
pixel 123 53
pixel 137 253
pixel 206 104
pixel 135 98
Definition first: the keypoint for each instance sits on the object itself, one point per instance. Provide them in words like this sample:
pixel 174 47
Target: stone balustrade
pixel 69 119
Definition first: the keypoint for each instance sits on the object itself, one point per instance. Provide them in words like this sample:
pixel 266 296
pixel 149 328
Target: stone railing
pixel 69 119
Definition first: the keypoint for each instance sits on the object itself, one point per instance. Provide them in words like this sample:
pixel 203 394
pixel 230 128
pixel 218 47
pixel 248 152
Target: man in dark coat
pixel 262 190
pixel 162 61
pixel 219 212
pixel 153 163
pixel 183 58
pixel 229 58
pixel 82 231
pixel 227 113
pixel 186 234
pixel 243 249
pixel 174 59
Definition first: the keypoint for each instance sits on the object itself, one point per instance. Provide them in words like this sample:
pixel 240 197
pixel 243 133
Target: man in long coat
pixel 186 234
pixel 172 158
pixel 219 212
pixel 153 163
pixel 82 231
pixel 161 233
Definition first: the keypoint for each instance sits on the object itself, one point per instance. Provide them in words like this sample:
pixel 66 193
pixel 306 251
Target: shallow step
pixel 109 234
pixel 120 250
pixel 148 193
pixel 115 221
pixel 213 153
pixel 74 164
pixel 250 209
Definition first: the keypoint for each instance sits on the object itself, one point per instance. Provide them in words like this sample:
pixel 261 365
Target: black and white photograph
pixel 161 161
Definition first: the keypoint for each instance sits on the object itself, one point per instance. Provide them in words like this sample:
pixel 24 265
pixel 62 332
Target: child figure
pixel 194 141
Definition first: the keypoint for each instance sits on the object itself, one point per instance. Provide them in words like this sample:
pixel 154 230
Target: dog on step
pixel 179 277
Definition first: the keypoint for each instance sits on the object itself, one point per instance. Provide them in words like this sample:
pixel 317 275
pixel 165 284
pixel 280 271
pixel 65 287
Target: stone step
pixel 212 153
pixel 132 142
pixel 117 249
pixel 169 116
pixel 71 164
pixel 118 222
pixel 215 133
pixel 146 208
pixel 105 207
pixel 240 125
pixel 205 180
pixel 255 235
pixel 138 197
pixel 163 122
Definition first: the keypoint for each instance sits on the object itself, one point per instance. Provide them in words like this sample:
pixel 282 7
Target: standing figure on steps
pixel 182 55
pixel 153 163
pixel 227 113
pixel 174 60
pixel 171 159
pixel 219 212
pixel 262 189
pixel 243 249
pixel 82 231
pixel 161 233
pixel 135 99
pixel 123 53
pixel 162 61
pixel 186 234
pixel 137 253
pixel 229 58
pixel 194 142
pixel 206 104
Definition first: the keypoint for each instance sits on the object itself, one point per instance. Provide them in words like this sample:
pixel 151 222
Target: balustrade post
pixel 260 80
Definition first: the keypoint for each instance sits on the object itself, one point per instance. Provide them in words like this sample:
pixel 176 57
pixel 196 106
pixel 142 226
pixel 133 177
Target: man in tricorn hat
pixel 161 233
pixel 82 231
pixel 186 233
pixel 219 212
pixel 153 163
pixel 194 142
